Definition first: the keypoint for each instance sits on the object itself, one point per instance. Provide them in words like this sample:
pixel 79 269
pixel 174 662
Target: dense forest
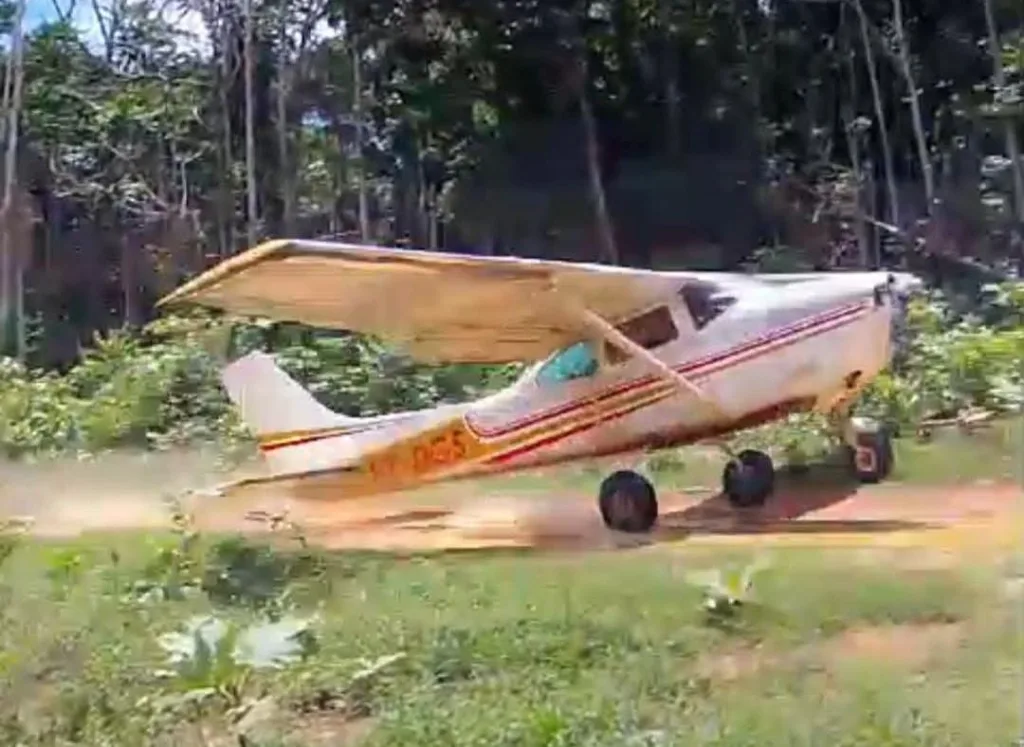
pixel 692 133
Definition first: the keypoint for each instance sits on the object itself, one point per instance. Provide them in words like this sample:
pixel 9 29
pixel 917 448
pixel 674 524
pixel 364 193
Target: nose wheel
pixel 869 450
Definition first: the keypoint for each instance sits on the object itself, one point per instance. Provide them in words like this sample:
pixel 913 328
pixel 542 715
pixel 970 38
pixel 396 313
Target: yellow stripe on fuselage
pixel 281 439
pixel 452 447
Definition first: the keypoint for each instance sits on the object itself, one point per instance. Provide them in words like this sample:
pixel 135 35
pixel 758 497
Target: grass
pixel 516 649
pixel 531 651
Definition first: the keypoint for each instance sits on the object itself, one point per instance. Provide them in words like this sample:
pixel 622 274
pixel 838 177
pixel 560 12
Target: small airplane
pixel 623 360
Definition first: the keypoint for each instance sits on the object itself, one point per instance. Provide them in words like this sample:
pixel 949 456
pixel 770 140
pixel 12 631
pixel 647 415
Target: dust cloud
pixel 116 491
pixel 124 491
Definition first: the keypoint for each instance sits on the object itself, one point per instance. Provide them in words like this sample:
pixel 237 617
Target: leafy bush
pixel 160 387
pixel 954 359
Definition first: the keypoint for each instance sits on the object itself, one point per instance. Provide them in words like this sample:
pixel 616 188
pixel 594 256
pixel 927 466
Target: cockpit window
pixel 650 330
pixel 705 302
pixel 575 362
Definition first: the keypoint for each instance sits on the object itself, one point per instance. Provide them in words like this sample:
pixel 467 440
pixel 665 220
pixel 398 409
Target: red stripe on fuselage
pixel 792 339
pixel 710 359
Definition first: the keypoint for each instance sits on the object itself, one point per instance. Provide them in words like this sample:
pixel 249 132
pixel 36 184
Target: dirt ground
pixel 977 515
pixel 131 492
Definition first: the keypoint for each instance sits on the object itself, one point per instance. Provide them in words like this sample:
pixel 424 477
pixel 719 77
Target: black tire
pixel 748 479
pixel 876 458
pixel 628 502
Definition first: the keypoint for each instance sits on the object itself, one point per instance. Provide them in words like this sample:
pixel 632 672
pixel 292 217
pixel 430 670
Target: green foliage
pixel 727 590
pixel 216 658
pixel 955 360
pixel 64 567
pixel 160 387
pixel 172 570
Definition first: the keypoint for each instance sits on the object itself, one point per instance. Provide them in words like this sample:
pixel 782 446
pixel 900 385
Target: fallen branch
pixel 968 421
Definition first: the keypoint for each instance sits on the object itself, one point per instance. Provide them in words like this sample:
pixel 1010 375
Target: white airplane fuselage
pixel 758 349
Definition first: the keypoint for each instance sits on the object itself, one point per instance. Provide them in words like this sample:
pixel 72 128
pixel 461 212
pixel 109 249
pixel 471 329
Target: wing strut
pixel 619 340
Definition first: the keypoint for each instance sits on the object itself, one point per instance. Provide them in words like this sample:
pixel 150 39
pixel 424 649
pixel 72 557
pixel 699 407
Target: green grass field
pixel 832 647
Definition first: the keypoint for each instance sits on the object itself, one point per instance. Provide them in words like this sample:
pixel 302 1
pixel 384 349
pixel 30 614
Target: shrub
pixel 159 386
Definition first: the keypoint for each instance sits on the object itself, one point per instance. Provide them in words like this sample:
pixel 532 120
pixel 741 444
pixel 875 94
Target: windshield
pixel 705 302
pixel 575 362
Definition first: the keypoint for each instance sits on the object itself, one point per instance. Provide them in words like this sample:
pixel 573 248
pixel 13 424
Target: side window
pixel 650 330
pixel 575 362
pixel 705 302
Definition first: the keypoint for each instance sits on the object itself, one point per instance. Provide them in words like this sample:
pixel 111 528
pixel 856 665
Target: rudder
pixel 270 401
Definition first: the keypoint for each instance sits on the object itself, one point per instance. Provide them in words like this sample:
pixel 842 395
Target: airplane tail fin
pixel 270 401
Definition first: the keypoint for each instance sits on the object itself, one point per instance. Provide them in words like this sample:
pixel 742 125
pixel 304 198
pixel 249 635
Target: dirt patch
pixel 333 730
pixel 123 492
pixel 940 523
pixel 910 646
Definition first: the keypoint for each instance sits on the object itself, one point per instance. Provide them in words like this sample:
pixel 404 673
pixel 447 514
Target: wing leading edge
pixel 438 307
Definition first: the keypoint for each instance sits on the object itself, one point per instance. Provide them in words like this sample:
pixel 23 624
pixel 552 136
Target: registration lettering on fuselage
pixel 423 454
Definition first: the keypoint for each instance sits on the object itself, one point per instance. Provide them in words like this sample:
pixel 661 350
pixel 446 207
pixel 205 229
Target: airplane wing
pixel 438 307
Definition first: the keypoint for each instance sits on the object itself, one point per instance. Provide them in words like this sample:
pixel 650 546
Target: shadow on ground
pixel 797 498
pixel 818 501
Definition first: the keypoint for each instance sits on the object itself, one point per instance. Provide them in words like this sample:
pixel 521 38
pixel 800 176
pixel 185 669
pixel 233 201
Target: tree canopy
pixel 168 135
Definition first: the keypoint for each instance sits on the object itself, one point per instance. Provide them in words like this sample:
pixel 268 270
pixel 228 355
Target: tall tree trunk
pixel 673 116
pixel 883 128
pixel 357 111
pixel 5 102
pixel 871 191
pixel 285 173
pixel 252 226
pixel 129 246
pixel 752 87
pixel 225 199
pixel 915 107
pixel 848 110
pixel 11 254
pixel 580 72
pixel 1012 144
pixel 341 177
pixel 605 231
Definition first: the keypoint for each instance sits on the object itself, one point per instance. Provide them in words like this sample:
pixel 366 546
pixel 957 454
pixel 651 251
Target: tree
pixel 252 214
pixel 924 158
pixel 698 133
pixel 879 107
pixel 1009 128
pixel 12 270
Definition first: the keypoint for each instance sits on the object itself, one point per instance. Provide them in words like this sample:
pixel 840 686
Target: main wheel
pixel 872 457
pixel 628 502
pixel 749 479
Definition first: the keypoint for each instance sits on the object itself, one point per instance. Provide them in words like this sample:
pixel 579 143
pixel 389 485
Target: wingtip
pixel 221 270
